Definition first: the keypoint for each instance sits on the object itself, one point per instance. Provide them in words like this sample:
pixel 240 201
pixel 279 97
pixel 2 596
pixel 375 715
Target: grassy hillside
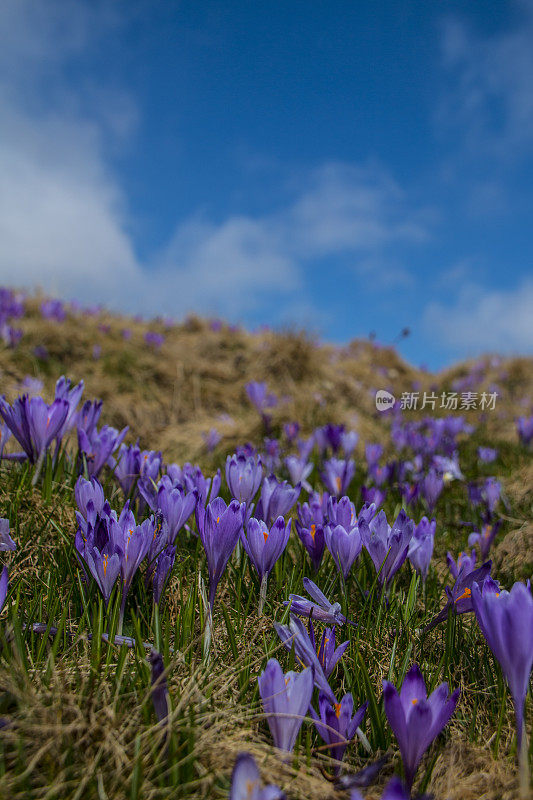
pixel 80 722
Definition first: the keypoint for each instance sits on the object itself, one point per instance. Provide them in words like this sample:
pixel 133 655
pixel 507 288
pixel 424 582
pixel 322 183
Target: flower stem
pixel 262 593
pixel 523 766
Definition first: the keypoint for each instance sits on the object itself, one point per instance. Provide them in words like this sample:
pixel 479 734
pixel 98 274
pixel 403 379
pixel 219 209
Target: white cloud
pixel 490 100
pixel 64 219
pixel 482 320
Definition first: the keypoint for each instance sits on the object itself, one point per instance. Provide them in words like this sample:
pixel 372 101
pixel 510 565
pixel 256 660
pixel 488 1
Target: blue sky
pixel 349 167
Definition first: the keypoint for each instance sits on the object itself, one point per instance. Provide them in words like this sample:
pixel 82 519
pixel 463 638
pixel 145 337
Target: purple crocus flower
pixel 431 487
pixel 342 535
pixel 490 493
pixel 328 655
pixel 133 541
pixel 337 475
pixel 6 542
pixel 219 527
pixel 98 446
pixel 299 470
pixel 132 463
pixel 264 546
pixel 5 433
pixel 415 718
pixel 259 396
pixel 193 478
pixel 506 621
pixel 286 699
pixel 329 435
pixel 387 546
pixel 104 566
pixel 154 339
pixel 72 394
pixel 337 723
pixel 163 568
pixel 320 609
pixel 33 423
pixel 487 454
pixel 447 468
pixel 421 546
pixel 211 439
pixel 465 562
pixel 246 782
pixel 460 595
pixel 291 430
pixel 349 441
pixel 373 494
pixel 159 688
pixel 524 428
pixel 373 453
pixel 243 476
pixel 53 310
pixel 3 591
pixel 295 635
pixel 89 416
pixel 310 527
pixel 394 790
pixel 485 538
pixel 173 503
pixel 277 499
pixel 271 454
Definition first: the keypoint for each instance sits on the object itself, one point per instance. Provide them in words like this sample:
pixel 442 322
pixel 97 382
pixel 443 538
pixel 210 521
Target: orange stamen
pixel 337 707
pixel 465 594
pixel 313 531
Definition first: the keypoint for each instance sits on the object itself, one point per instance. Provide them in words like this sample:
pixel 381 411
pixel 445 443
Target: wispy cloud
pixel 489 101
pixel 483 320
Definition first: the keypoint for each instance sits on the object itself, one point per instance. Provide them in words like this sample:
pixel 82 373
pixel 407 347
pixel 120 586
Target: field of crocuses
pixel 225 573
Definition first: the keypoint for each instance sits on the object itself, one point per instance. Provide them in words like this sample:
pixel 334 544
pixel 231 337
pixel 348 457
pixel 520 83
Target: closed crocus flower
pixel 337 475
pixel 286 699
pixel 246 782
pixel 421 546
pixel 219 527
pixel 465 562
pixel 3 587
pixel 387 546
pixel 336 723
pixel 506 621
pixel 265 546
pixel 277 499
pixel 431 487
pixel 163 568
pixel 490 493
pixel 524 428
pixel 344 546
pixel 86 492
pixel 415 718
pixel 72 394
pixel 6 542
pixel 175 506
pixel 485 537
pixel 99 446
pixel 342 535
pixel 295 635
pixel 309 527
pixel 243 476
pixel 299 470
pixel 33 423
pixel 460 595
pixel 328 655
